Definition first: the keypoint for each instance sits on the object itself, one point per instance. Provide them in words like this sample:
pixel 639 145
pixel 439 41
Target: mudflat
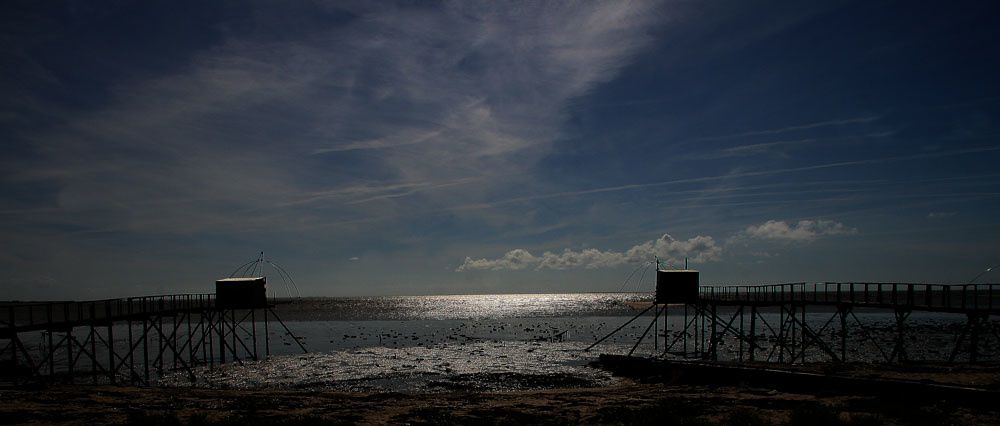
pixel 627 403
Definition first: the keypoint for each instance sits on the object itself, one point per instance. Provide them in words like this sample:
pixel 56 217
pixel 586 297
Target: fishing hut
pixel 241 293
pixel 673 286
pixel 676 286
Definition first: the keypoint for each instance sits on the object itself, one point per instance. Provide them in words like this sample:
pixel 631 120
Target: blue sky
pixel 464 147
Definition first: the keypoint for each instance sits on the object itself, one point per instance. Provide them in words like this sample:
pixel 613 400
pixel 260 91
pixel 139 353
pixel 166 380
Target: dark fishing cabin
pixel 241 293
pixel 676 286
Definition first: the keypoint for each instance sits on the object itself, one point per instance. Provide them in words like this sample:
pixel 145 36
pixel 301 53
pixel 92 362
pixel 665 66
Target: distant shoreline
pixel 12 302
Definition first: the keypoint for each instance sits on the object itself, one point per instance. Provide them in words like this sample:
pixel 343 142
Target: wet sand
pixel 629 402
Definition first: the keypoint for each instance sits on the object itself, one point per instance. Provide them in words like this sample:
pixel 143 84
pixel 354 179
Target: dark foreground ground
pixel 642 400
pixel 633 403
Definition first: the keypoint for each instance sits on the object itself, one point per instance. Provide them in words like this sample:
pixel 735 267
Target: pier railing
pixel 56 315
pixel 933 297
pixel 128 340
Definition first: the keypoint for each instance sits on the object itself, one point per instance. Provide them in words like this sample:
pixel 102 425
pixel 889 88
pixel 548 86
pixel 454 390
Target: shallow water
pixel 477 366
pixel 503 342
pixel 434 343
pixel 426 356
pixel 468 307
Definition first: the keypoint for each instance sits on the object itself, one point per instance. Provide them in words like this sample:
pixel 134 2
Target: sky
pixel 383 148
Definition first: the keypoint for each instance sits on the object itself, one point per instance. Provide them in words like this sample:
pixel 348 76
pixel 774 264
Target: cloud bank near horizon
pixel 699 249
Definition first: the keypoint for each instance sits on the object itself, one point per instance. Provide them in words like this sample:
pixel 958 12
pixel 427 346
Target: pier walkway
pixel 808 322
pixel 129 340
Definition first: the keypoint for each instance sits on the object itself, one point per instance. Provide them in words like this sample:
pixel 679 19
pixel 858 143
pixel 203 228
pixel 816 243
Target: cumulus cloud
pixel 804 230
pixel 514 260
pixel 699 249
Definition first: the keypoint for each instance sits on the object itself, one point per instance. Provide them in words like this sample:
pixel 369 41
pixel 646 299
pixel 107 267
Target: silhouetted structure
pixel 676 286
pixel 793 339
pixel 241 293
pixel 135 339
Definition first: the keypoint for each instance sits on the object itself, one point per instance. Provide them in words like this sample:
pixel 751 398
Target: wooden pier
pixel 801 322
pixel 132 340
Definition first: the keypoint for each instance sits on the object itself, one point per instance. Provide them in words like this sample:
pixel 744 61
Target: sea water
pixel 513 341
pixel 432 343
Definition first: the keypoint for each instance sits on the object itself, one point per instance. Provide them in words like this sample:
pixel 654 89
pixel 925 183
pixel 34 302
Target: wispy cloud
pixel 729 176
pixel 783 147
pixel 806 126
pixel 804 230
pixel 263 131
pixel 939 215
pixel 381 143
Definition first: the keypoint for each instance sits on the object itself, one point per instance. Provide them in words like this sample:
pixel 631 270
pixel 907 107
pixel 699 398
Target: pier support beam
pixel 72 332
pixel 899 348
